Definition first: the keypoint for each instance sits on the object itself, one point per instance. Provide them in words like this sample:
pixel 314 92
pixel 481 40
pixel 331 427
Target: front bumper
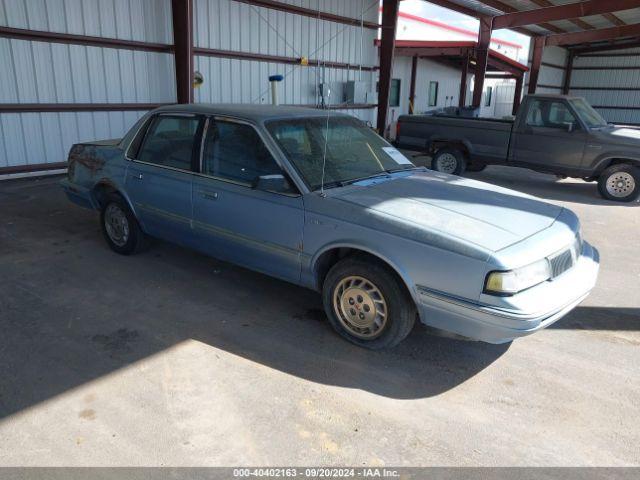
pixel 480 321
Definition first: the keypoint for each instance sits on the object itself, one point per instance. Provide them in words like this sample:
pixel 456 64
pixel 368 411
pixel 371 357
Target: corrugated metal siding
pixel 230 25
pixel 606 79
pixel 40 72
pixel 143 20
pixel 550 79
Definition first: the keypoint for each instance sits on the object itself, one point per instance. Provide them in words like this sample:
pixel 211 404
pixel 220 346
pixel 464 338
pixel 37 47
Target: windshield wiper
pixel 375 175
pixel 401 169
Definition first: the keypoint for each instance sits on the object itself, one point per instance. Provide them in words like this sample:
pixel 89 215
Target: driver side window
pixel 235 151
pixel 549 114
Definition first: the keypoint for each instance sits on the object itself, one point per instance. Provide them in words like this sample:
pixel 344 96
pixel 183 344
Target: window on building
pixel 433 94
pixel 487 97
pixel 394 93
pixel 170 141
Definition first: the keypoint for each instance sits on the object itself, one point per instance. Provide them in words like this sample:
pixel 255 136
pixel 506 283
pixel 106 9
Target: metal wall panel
pixel 604 84
pixel 235 26
pixel 143 20
pixel 34 138
pixel 550 79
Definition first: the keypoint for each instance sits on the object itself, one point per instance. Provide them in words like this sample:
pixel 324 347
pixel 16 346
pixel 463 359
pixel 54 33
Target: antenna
pixel 326 139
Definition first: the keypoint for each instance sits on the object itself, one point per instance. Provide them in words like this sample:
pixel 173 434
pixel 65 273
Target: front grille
pixel 565 259
pixel 561 263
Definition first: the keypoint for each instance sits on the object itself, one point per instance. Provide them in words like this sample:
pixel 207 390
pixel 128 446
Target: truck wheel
pixel 367 304
pixel 620 183
pixel 449 160
pixel 120 227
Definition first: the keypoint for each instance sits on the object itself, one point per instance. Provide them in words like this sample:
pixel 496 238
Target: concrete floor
pixel 173 358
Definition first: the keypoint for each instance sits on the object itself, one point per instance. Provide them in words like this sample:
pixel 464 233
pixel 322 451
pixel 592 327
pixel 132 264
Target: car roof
pixel 256 113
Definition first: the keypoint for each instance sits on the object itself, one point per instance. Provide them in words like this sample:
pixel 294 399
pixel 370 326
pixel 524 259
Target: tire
pixel 475 167
pixel 449 160
pixel 120 227
pixel 360 284
pixel 620 183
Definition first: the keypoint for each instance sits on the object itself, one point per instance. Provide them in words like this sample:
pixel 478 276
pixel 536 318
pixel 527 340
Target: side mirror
pixel 272 183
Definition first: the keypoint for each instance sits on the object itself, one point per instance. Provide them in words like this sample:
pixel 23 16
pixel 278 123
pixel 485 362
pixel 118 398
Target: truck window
pixel 549 114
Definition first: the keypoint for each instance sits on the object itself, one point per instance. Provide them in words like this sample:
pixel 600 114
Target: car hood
pixel 622 135
pixel 445 209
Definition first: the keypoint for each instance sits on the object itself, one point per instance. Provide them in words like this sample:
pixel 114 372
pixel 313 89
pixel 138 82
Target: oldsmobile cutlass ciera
pixel 318 199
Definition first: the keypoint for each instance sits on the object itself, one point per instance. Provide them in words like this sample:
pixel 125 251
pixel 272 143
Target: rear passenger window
pixel 170 141
pixel 235 151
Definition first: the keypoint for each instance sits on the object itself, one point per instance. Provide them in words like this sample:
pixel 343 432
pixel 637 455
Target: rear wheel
pixel 367 304
pixel 120 227
pixel 620 183
pixel 449 160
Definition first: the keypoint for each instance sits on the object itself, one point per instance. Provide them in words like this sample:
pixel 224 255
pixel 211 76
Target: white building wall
pixel 448 79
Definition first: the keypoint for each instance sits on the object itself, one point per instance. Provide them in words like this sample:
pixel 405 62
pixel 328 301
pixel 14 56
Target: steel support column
pixel 412 87
pixel 536 60
pixel 517 94
pixel 463 81
pixel 387 45
pixel 566 82
pixel 482 54
pixel 182 16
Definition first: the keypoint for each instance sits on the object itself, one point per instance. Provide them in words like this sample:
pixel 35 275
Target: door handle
pixel 209 195
pixel 138 176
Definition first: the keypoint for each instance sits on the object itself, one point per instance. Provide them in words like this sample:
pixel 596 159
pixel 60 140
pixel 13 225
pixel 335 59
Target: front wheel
pixel 367 304
pixel 620 183
pixel 449 160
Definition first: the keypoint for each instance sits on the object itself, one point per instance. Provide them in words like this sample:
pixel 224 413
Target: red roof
pixel 455 44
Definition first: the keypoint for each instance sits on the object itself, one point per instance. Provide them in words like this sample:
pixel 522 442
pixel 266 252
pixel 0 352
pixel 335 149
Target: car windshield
pixel 588 115
pixel 353 150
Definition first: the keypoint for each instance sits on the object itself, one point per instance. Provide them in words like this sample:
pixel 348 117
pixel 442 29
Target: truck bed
pixel 483 137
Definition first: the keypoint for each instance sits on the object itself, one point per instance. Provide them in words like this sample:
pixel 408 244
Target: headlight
pixel 514 281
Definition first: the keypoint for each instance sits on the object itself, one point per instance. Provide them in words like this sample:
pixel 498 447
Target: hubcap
pixel 620 184
pixel 446 163
pixel 360 306
pixel 116 224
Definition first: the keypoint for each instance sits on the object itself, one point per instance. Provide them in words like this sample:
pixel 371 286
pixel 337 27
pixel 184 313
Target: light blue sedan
pixel 318 199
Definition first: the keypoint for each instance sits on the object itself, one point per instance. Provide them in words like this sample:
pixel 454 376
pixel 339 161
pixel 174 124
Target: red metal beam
pixel 577 38
pixel 390 10
pixel 576 21
pixel 474 13
pixel 76 107
pixel 614 19
pixel 517 94
pixel 607 47
pixel 39 167
pixel 67 38
pixel 182 16
pixel 412 87
pixel 308 12
pixel 562 12
pixel 462 99
pixel 482 56
pixel 566 81
pixel 503 7
pixel 538 48
pixel 259 57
